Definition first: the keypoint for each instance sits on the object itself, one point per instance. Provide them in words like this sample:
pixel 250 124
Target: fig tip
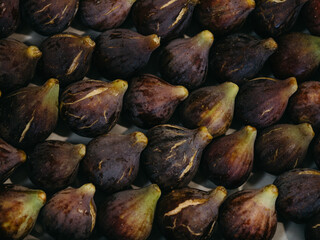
pixel 34 52
pixel 182 92
pixel 51 82
pixel 271 44
pixel 155 41
pixel 205 38
pixel 204 132
pixel 88 188
pixel 81 150
pixel 89 42
pixel 23 155
pixel 42 196
pixel 141 138
pixel 121 84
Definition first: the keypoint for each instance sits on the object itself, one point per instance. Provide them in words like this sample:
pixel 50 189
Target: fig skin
pixel 311 16
pixel 173 154
pixel 249 214
pixel 112 160
pixel 239 57
pixel 316 151
pixel 299 194
pixel 92 107
pixel 187 69
pixel 189 213
pixel 122 53
pixel 151 101
pixel 312 230
pixel 9 17
pixel 261 102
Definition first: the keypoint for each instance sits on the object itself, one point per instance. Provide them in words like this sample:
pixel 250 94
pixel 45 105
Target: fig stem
pixel 33 52
pixel 204 39
pixel 267 196
pixel 270 43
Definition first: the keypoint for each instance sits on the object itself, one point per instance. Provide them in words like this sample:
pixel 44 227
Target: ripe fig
pixel 9 17
pixel 121 53
pixel 189 214
pixel 312 229
pixel 261 102
pixel 71 213
pixel 151 101
pixel 229 159
pixel 129 214
pixel 173 154
pixel 249 214
pixel 316 151
pixel 211 107
pixel 184 61
pixel 311 16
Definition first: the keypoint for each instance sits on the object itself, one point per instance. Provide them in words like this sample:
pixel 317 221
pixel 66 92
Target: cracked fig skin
pixel 10 17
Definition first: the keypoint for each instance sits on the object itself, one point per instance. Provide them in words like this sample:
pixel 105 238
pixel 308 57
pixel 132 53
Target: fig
pixel 261 102
pixel 71 213
pixel 121 53
pixel 151 101
pixel 299 194
pixel 211 107
pixel 66 57
pixel 112 160
pixel 9 17
pixel 92 107
pixel 173 154
pixel 29 115
pixel 189 213
pixel 19 209
pixel 239 57
pixel 249 214
pixel 129 214
pixel 184 61
pixel 283 147
pixel 228 160
pixel 312 229
pixel 311 16
pixel 316 151
pixel 17 64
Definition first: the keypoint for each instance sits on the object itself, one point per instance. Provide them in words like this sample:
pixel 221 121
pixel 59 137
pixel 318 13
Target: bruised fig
pixel 129 214
pixel 71 213
pixel 112 160
pixel 19 209
pixel 249 214
pixel 312 229
pixel 173 154
pixel 189 214
pixel 151 101
pixel 316 151
pixel 261 102
pixel 121 53
pixel 311 16
pixel 9 17
pixel 211 107
pixel 229 159
pixel 29 115
pixel 184 61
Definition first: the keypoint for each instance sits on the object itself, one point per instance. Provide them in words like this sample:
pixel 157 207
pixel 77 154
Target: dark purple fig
pixel 249 214
pixel 54 164
pixel 189 214
pixel 311 16
pixel 151 101
pixel 129 214
pixel 283 147
pixel 229 159
pixel 184 61
pixel 29 115
pixel 316 151
pixel 211 107
pixel 71 213
pixel 9 17
pixel 261 102
pixel 239 57
pixel 298 55
pixel 17 64
pixel 19 209
pixel 66 57
pixel 121 53
pixel 299 194
pixel 112 161
pixel 173 154
pixel 312 229
pixel 50 16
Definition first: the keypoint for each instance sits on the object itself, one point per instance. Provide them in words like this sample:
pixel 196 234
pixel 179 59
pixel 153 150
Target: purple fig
pixel 311 16
pixel 312 229
pixel 316 151
pixel 9 17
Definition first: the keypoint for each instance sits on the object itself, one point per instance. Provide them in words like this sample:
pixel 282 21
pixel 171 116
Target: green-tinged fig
pixel 299 194
pixel 66 57
pixel 19 209
pixel 173 154
pixel 239 57
pixel 112 161
pixel 17 64
pixel 129 214
pixel 298 55
pixel 184 61
pixel 151 101
pixel 249 214
pixel 9 17
pixel 29 115
pixel 211 107
pixel 71 213
pixel 92 107
pixel 316 151
pixel 312 229
pixel 283 147
pixel 54 164
pixel 189 214
pixel 261 102
pixel 311 16
pixel 121 53
pixel 229 159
